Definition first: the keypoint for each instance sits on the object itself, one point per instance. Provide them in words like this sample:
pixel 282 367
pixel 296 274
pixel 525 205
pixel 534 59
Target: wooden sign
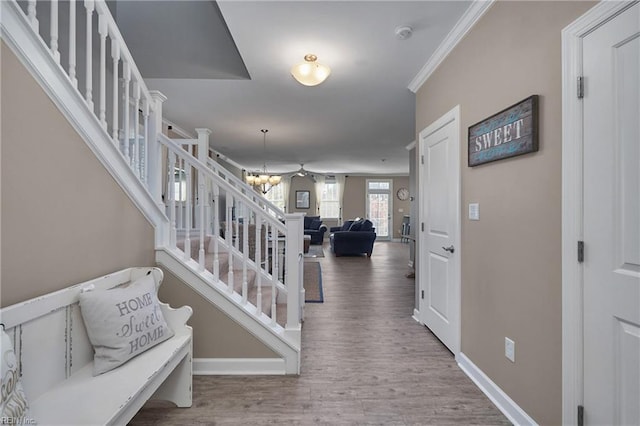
pixel 512 131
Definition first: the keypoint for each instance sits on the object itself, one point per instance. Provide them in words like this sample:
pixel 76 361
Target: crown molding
pixel 462 27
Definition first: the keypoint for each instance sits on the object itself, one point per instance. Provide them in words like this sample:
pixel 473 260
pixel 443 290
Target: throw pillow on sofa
pixel 123 322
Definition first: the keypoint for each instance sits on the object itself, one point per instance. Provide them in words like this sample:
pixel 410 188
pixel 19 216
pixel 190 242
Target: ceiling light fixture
pixel 310 72
pixel 262 179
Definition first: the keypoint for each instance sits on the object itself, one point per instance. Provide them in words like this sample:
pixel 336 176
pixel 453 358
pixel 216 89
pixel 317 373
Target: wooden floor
pixel 364 361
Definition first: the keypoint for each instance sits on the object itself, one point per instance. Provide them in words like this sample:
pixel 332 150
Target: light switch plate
pixel 474 211
pixel 510 349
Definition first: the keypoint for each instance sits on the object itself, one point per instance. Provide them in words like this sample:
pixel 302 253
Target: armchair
pixel 313 227
pixel 353 237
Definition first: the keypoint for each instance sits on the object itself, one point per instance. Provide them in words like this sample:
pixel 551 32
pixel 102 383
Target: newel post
pixel 293 273
pixel 155 169
pixel 204 197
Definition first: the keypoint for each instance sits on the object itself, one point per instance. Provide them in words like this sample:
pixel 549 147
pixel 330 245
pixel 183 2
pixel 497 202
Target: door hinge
pixel 580 251
pixel 422 294
pixel 580 415
pixel 422 226
pixel 422 159
pixel 580 87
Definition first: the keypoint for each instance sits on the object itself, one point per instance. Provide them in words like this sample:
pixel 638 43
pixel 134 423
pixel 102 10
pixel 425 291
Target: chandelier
pixel 310 72
pixel 264 181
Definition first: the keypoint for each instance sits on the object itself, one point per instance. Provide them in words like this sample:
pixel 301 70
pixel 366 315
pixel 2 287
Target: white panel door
pixel 611 58
pixel 439 269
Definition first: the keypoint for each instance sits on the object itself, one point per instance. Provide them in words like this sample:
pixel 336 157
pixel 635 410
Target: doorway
pixel 438 235
pixel 601 211
pixel 379 206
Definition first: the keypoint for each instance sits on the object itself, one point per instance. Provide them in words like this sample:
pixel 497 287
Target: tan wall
pixel 60 207
pixel 302 184
pixel 511 263
pixel 215 335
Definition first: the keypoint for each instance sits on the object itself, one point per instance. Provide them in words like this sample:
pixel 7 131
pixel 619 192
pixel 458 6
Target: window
pixel 276 196
pixel 330 200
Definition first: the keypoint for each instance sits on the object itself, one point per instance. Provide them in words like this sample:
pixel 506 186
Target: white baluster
pixel 155 163
pixel 72 43
pixel 181 194
pixel 102 30
pixel 136 127
pixel 275 254
pixel 216 232
pixel 126 75
pixel 189 194
pixel 54 30
pixel 201 213
pixel 245 257
pixel 31 14
pixel 89 6
pixel 258 256
pixel 144 157
pixel 229 238
pixel 171 192
pixel 115 55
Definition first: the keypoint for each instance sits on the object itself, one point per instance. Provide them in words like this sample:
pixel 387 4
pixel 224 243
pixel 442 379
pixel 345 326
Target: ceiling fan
pixel 302 172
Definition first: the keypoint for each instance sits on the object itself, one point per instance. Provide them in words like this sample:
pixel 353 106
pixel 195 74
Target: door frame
pixel 572 203
pixel 451 116
pixel 381 191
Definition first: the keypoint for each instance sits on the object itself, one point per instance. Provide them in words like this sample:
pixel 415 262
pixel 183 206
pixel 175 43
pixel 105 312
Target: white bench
pixel 55 359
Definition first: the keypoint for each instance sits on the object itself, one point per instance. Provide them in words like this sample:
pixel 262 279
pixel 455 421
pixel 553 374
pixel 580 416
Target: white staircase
pixel 224 240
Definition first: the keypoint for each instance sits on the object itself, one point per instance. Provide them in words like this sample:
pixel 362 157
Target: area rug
pixel 315 251
pixel 313 283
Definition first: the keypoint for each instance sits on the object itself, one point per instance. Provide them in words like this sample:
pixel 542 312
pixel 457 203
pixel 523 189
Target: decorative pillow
pixel 367 225
pixel 356 225
pixel 15 408
pixel 346 225
pixel 123 322
pixel 315 224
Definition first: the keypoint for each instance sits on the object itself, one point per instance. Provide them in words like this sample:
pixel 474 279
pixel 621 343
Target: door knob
pixel 450 249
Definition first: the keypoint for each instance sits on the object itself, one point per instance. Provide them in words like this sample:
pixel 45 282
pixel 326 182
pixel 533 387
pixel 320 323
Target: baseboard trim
pixel 238 366
pixel 416 316
pixel 509 408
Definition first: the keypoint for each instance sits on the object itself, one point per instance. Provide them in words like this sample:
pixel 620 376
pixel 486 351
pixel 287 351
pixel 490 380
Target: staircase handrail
pixel 223 183
pixel 246 189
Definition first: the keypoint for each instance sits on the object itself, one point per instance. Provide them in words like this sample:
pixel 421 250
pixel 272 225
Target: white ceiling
pixel 359 121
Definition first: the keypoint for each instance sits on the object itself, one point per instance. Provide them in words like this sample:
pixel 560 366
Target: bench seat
pixel 106 399
pixel 55 359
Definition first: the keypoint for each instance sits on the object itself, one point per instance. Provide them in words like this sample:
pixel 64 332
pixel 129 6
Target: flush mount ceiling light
pixel 310 72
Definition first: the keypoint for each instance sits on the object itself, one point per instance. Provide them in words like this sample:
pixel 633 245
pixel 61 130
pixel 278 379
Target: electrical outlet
pixel 510 349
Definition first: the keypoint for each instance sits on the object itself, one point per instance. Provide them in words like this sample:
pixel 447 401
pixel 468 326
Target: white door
pixel 379 206
pixel 439 233
pixel 611 70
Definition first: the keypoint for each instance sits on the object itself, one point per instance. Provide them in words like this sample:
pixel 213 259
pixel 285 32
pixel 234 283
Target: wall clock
pixel 402 194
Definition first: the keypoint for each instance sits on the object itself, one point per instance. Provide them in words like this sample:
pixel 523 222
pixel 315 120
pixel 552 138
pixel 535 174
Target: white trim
pixel 274 337
pixel 451 116
pixel 178 130
pixel 506 405
pixel 238 366
pixel 462 27
pixel 416 316
pixel 410 146
pixel 572 203
pixel 36 57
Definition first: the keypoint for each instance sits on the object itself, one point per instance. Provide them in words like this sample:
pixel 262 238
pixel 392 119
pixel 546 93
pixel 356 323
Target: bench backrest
pixel 48 332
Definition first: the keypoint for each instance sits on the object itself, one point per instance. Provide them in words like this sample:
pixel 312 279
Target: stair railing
pixel 103 73
pixel 109 82
pixel 253 242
